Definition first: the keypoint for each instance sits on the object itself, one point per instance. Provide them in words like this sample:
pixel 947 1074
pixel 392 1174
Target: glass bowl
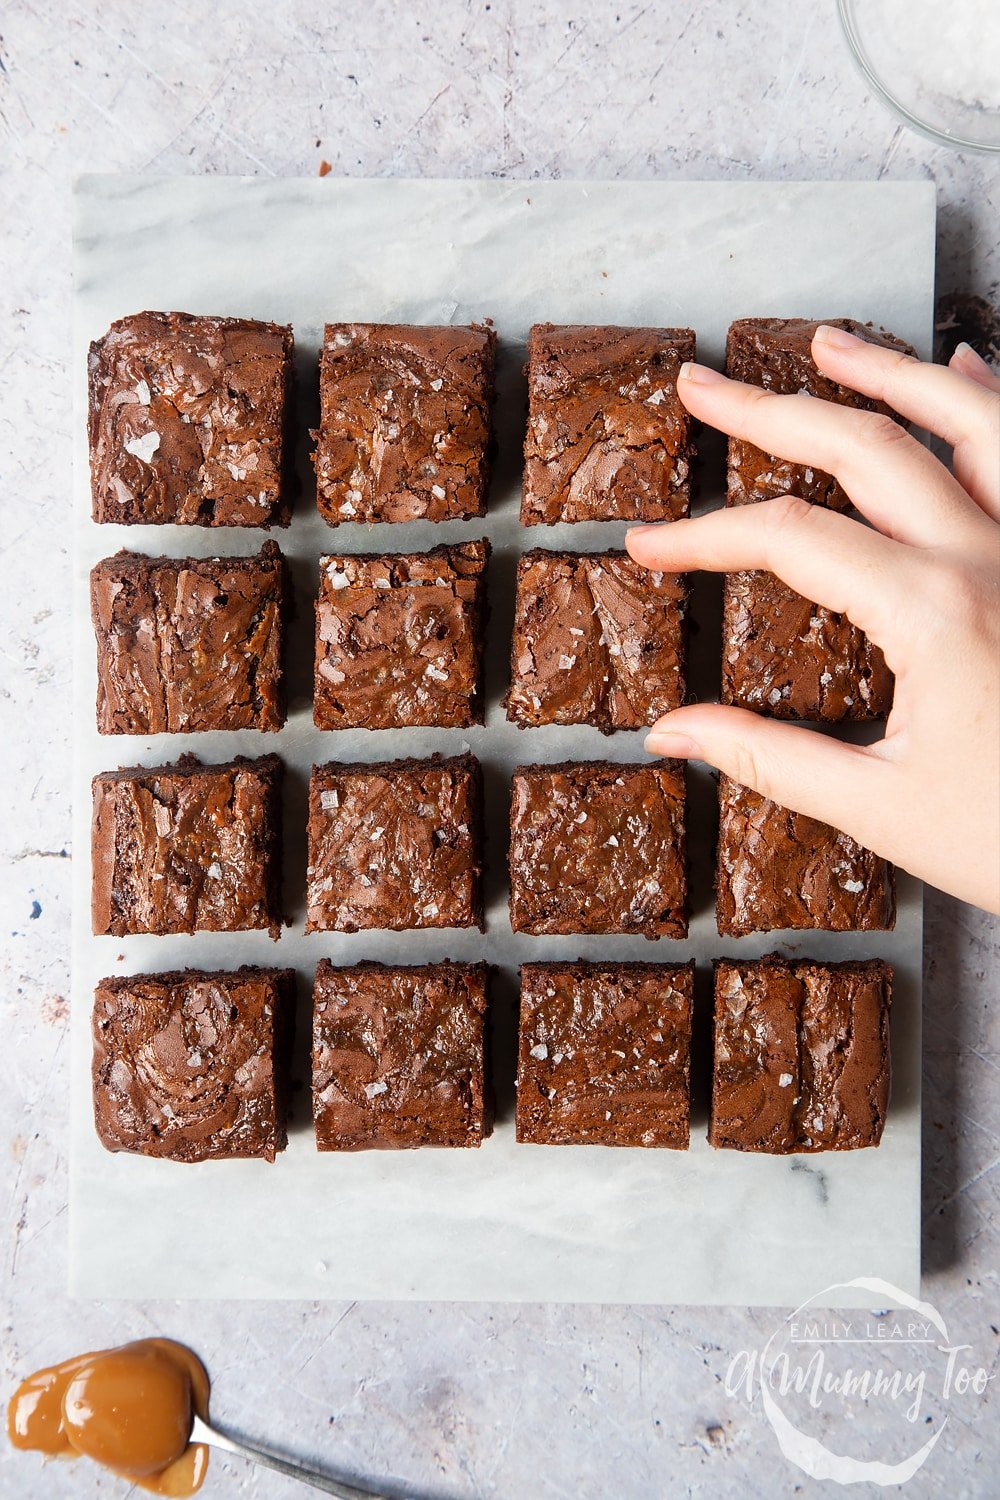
pixel 934 63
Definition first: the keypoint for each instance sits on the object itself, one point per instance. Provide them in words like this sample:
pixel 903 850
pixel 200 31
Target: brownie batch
pixel 190 423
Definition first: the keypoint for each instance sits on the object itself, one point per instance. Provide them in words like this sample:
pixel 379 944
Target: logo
pixel 820 1369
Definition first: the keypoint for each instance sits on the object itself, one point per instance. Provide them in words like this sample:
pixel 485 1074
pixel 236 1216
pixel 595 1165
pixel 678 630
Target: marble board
pixel 507 1222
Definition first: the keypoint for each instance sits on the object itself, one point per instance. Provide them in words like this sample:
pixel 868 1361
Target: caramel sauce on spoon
pixel 130 1409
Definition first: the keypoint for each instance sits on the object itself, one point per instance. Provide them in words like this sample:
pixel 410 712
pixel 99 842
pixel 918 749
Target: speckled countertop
pixel 461 1401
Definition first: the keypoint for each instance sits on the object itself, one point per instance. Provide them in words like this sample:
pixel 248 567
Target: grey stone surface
pixel 460 1401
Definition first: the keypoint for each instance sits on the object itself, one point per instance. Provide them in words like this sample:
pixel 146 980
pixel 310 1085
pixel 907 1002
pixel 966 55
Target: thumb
pixel 804 770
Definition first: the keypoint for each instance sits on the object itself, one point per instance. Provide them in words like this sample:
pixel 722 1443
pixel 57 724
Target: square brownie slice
pixel 188 847
pixel 801 1055
pixel 190 421
pixel 189 644
pixel 401 1056
pixel 194 1065
pixel 598 847
pixel 597 640
pixel 778 870
pixel 396 844
pixel 608 438
pixel 604 1054
pixel 399 639
pixel 404 430
pixel 790 659
pixel 776 353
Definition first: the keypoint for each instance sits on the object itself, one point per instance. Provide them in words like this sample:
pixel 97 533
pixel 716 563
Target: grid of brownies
pixel 191 423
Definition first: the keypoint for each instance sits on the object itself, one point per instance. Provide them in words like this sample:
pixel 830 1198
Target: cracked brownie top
pixel 401 1056
pixel 188 847
pixel 608 438
pixel 193 1065
pixel 597 640
pixel 399 638
pixel 801 1055
pixel 598 847
pixel 189 644
pixel 189 421
pixel 604 1054
pixel 779 869
pixel 404 430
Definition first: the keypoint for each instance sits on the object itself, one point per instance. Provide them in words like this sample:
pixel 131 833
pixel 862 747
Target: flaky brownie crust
pixel 801 1055
pixel 598 847
pixel 608 438
pixel 790 659
pixel 604 1054
pixel 597 640
pixel 775 353
pixel 399 639
pixel 777 870
pixel 193 1065
pixel 395 845
pixel 190 644
pixel 404 430
pixel 401 1056
pixel 190 421
pixel 188 847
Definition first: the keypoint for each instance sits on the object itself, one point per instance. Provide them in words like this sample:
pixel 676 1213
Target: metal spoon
pixel 202 1433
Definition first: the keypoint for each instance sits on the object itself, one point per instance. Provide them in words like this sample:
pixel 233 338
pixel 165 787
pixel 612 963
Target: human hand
pixel 923 581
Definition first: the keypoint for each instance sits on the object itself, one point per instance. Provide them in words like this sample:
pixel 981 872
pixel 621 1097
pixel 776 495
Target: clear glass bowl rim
pixel 849 25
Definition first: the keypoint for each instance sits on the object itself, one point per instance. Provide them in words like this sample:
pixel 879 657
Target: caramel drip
pixel 129 1409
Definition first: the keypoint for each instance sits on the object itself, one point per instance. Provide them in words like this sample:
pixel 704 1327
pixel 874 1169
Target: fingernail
pixel 643 530
pixel 675 746
pixel 837 338
pixel 969 356
pixel 698 374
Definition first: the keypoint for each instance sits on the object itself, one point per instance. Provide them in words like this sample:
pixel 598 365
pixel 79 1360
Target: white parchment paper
pixel 507 1222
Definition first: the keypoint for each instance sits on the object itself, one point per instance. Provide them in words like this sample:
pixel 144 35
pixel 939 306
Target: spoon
pixel 202 1433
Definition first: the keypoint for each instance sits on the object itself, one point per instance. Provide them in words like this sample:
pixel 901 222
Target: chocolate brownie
pixel 404 430
pixel 189 644
pixel 598 847
pixel 396 844
pixel 190 421
pixel 801 1055
pixel 776 353
pixel 778 869
pixel 597 640
pixel 790 659
pixel 401 1056
pixel 193 1065
pixel 188 847
pixel 604 1055
pixel 608 438
pixel 399 639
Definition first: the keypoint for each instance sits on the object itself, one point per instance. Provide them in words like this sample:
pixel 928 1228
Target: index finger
pixel 891 478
